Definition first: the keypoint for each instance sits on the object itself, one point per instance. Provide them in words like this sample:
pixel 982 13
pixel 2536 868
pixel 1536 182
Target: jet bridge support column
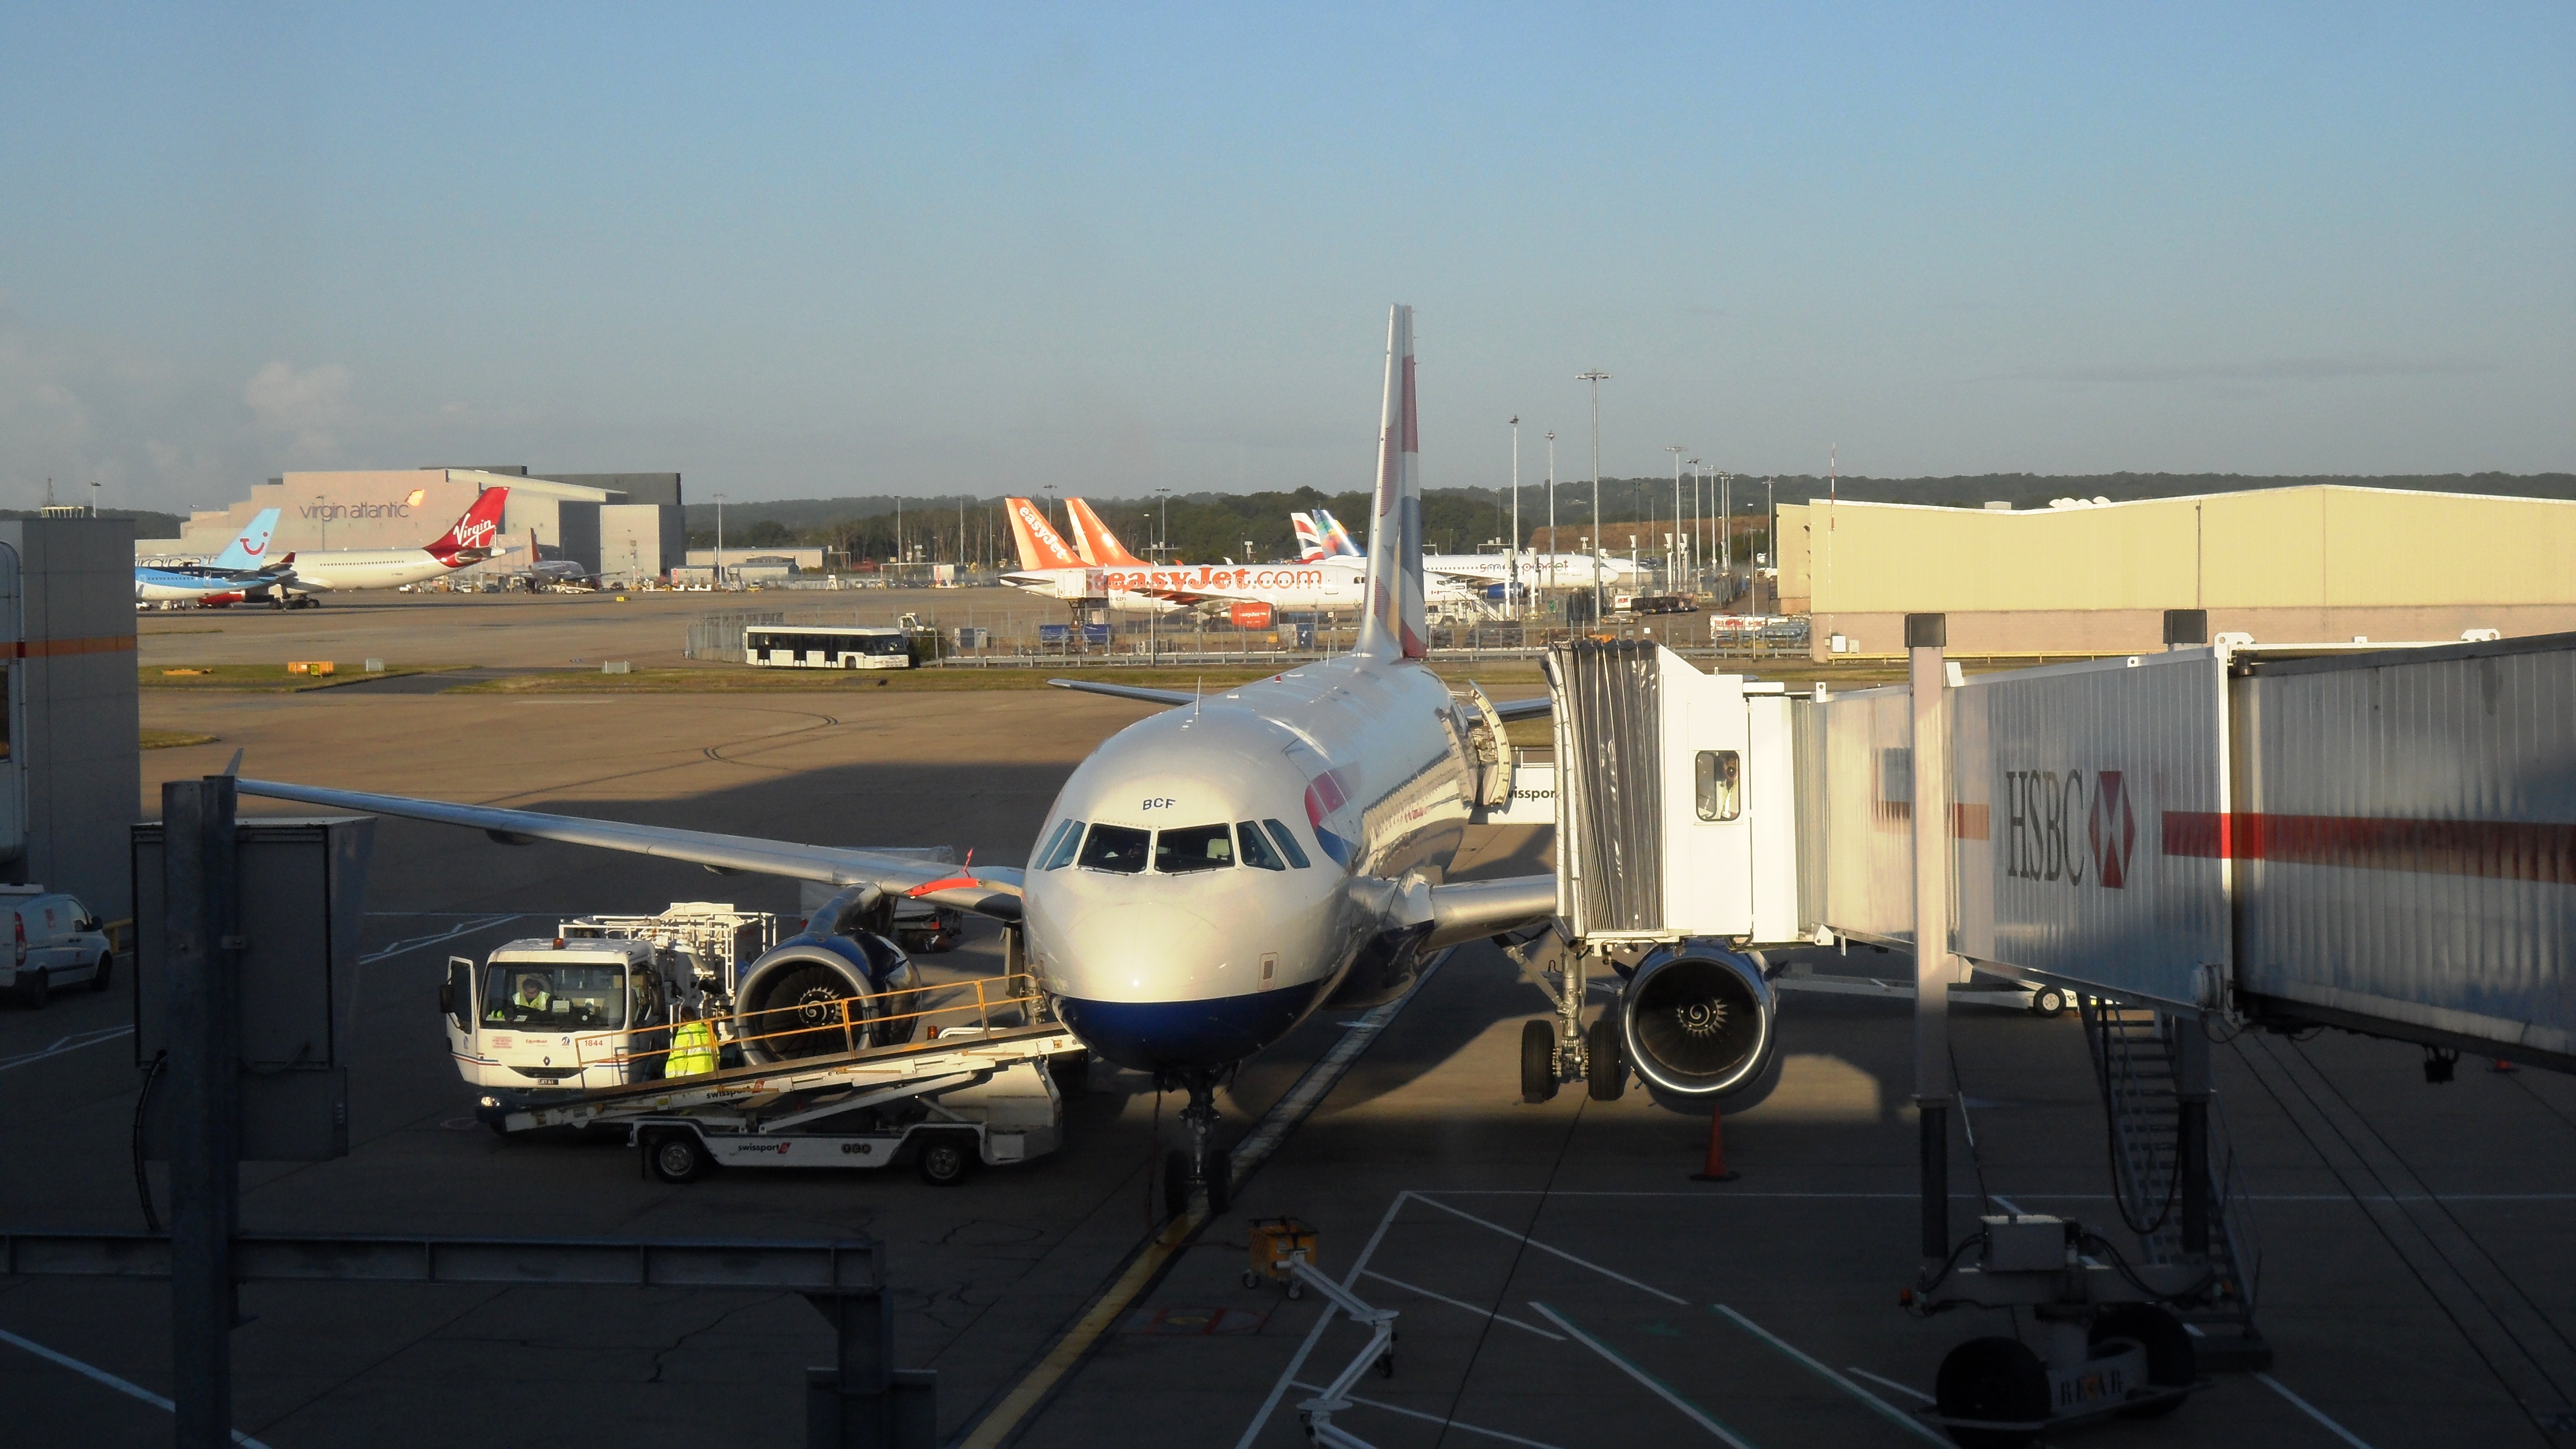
pixel 1929 761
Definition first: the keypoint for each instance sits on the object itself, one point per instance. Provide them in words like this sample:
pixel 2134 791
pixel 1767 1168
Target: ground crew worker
pixel 693 1046
pixel 532 997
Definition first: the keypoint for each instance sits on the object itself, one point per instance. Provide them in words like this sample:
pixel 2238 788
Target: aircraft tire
pixel 1176 1183
pixel 1605 1072
pixel 1219 1164
pixel 1538 1060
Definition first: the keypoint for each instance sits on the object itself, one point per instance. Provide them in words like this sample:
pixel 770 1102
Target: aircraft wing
pixel 1512 709
pixel 986 891
pixel 1133 691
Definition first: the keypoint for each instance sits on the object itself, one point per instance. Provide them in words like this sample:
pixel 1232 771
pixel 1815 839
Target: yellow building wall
pixel 2278 548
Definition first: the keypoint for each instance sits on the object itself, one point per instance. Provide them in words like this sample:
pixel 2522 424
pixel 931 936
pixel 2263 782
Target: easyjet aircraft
pixel 469 542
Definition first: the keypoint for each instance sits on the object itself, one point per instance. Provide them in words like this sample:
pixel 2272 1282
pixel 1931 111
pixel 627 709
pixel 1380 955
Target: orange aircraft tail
pixel 1099 547
pixel 1041 547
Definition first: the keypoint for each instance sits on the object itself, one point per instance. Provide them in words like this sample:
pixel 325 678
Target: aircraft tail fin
pixel 1099 547
pixel 1337 539
pixel 471 540
pixel 249 548
pixel 1041 547
pixel 1310 539
pixel 1393 626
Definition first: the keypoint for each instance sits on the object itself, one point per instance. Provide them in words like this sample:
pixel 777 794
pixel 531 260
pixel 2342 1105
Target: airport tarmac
pixel 1560 1280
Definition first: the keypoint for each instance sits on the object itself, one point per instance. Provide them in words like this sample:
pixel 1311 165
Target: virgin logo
pixel 474 532
pixel 2111 830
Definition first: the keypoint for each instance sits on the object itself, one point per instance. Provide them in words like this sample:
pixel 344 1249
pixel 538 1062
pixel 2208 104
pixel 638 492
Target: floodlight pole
pixel 1596 377
pixel 1552 544
pixel 720 498
pixel 1672 554
pixel 1515 555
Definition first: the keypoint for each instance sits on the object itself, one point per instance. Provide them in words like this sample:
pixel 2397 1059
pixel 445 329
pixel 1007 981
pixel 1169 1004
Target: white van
pixel 54 941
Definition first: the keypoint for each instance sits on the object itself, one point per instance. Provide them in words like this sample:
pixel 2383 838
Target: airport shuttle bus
pixel 826 646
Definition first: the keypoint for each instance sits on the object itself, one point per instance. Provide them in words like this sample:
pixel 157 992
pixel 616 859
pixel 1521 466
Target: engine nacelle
pixel 816 994
pixel 1696 1021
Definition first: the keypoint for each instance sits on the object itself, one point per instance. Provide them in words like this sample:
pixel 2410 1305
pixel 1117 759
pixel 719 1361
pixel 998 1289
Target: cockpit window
pixel 1058 851
pixel 1288 844
pixel 1115 848
pixel 1193 847
pixel 1258 852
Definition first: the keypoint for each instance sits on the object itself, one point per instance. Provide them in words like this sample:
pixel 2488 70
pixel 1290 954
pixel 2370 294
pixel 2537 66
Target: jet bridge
pixel 2380 839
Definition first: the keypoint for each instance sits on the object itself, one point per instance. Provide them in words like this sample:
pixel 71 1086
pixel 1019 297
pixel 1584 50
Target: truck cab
pixel 566 1014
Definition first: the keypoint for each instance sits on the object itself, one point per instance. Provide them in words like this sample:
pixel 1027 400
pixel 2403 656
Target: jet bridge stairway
pixel 2139 1064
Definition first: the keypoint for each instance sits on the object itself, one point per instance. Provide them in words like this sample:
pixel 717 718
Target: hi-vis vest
pixel 693 1050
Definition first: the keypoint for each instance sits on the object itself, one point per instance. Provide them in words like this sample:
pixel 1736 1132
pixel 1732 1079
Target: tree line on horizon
pixel 1209 526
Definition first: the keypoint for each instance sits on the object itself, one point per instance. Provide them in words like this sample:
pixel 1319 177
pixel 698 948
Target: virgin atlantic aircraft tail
pixel 471 540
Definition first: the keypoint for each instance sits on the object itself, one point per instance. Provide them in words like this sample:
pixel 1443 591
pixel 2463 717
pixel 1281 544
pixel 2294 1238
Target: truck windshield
pixel 555 994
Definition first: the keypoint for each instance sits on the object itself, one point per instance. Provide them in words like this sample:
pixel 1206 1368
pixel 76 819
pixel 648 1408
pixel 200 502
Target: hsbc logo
pixel 2068 827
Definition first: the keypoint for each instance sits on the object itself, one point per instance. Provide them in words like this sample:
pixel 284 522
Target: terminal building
pixel 2323 564
pixel 620 526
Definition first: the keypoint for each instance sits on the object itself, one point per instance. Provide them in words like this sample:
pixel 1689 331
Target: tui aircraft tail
pixel 249 548
pixel 1041 547
pixel 1092 539
pixel 1393 626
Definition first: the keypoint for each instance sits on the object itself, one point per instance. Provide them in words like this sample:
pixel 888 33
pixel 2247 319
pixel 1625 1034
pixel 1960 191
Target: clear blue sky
pixel 929 248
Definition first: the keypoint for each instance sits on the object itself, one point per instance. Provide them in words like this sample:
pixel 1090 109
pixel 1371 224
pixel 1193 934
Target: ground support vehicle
pixel 967 1097
pixel 54 941
pixel 947 1113
pixel 567 1013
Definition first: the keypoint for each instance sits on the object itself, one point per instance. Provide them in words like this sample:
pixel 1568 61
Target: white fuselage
pixel 376 568
pixel 1364 760
pixel 1152 589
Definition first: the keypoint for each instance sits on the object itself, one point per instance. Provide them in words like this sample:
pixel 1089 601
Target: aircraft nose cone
pixel 1156 987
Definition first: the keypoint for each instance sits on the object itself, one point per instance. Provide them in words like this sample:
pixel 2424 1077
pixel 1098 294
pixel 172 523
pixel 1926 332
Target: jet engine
pixel 1696 1022
pixel 823 992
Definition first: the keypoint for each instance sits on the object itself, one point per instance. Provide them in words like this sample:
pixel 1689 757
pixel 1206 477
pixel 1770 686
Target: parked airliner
pixel 469 541
pixel 243 564
pixel 1321 537
pixel 1217 871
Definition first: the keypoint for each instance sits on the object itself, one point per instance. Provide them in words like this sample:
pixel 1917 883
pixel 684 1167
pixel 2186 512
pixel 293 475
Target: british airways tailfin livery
pixel 1220 869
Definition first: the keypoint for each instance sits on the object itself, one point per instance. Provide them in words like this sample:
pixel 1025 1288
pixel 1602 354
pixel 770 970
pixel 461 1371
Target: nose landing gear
pixel 1201 1168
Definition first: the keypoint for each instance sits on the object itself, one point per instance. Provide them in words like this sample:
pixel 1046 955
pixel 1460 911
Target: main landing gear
pixel 1201 1167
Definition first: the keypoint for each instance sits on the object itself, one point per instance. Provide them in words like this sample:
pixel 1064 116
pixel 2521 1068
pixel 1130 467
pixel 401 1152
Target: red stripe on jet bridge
pixel 2498 849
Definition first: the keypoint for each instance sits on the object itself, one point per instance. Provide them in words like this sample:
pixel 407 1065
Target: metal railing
pixel 842 1014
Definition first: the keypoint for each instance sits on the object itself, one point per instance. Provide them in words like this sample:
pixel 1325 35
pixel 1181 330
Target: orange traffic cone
pixel 1715 1168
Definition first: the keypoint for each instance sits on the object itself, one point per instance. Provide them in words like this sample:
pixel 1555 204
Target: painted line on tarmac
pixel 135 1391
pixel 67 1045
pixel 2312 1411
pixel 1890 1412
pixel 1275 1125
pixel 1884 1382
pixel 416 943
pixel 1435 1418
pixel 2288 1197
pixel 1429 1201
pixel 1323 1320
pixel 1694 1412
pixel 1470 1307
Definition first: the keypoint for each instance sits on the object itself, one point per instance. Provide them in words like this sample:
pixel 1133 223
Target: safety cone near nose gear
pixel 1715 1168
